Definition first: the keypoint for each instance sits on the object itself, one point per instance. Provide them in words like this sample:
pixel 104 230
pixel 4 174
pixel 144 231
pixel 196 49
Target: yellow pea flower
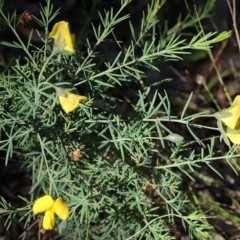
pixel 231 119
pixel 60 209
pixel 48 220
pixel 42 204
pixel 49 206
pixel 69 101
pixel 231 116
pixel 233 135
pixel 63 40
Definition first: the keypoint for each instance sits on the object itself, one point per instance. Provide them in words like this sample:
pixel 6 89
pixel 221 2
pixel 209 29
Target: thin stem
pixel 44 66
pixel 233 13
pixel 192 162
pixel 46 28
pixel 18 38
pixel 166 215
pixel 163 216
pixel 213 61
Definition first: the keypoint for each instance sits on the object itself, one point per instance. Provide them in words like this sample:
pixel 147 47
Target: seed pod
pixel 175 138
pixel 23 18
pixel 62 227
pixel 27 16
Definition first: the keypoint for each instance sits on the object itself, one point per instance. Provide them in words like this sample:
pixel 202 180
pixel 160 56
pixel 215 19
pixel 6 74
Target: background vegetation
pixel 151 163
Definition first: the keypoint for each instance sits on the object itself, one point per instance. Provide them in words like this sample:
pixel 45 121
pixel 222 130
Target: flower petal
pixel 232 134
pixel 236 101
pixel 230 116
pixel 48 220
pixel 231 119
pixel 234 138
pixel 73 36
pixel 61 208
pixel 63 40
pixel 71 101
pixel 42 204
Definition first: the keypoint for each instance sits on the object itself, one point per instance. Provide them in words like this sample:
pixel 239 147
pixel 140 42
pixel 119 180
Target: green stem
pixel 44 66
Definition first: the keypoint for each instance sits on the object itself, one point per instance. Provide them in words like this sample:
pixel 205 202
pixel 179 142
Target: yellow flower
pixel 63 40
pixel 69 101
pixel 49 206
pixel 233 134
pixel 230 116
pixel 231 119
